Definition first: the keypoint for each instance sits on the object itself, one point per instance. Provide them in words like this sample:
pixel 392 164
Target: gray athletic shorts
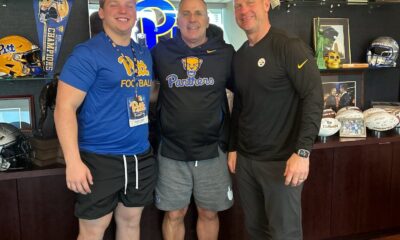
pixel 208 180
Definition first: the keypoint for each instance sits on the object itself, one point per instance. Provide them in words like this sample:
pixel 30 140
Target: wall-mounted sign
pixel 156 20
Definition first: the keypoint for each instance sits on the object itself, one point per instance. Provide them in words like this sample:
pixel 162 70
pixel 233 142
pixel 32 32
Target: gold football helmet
pixel 19 57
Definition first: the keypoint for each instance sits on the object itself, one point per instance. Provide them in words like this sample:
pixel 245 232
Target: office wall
pixel 366 24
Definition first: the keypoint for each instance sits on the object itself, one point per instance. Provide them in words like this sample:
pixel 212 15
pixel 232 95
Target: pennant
pixel 51 20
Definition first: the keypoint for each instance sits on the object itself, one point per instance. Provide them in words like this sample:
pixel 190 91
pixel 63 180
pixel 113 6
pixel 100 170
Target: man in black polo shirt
pixel 276 117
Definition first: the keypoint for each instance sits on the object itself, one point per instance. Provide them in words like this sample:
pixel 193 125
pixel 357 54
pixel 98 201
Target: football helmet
pixel 383 52
pixel 15 150
pixel 19 57
pixel 56 10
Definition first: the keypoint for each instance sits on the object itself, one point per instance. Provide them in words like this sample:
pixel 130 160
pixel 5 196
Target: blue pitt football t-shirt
pixel 113 117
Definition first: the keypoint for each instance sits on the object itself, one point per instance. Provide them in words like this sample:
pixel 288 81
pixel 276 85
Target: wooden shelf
pixel 336 141
pixel 45 78
pixel 336 3
pixel 35 171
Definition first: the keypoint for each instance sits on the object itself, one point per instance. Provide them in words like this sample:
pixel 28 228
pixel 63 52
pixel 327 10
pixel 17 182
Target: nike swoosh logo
pixel 299 66
pixel 210 51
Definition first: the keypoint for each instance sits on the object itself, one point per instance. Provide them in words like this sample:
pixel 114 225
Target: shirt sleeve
pixel 305 76
pixel 80 69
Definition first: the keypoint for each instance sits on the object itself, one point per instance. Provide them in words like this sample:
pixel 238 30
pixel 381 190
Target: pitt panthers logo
pixel 191 65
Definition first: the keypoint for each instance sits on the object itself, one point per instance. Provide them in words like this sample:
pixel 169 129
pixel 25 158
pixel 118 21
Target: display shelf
pixel 353 70
pixel 45 78
pixel 336 3
pixel 336 141
pixel 343 70
pixel 35 171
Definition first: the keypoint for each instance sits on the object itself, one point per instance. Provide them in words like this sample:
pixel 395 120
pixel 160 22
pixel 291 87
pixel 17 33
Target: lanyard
pixel 135 68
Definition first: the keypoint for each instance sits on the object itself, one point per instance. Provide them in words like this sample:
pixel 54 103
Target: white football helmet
pixel 15 149
pixel 383 52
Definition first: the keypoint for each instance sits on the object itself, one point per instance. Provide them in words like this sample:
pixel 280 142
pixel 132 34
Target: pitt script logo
pixel 141 69
pixel 130 66
pixel 9 48
pixel 192 66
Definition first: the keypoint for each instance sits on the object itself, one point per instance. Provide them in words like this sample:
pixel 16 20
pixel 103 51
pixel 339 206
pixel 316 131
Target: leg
pixel 207 224
pixel 128 222
pixel 173 226
pixel 212 193
pixel 173 192
pixel 93 229
pixel 282 203
pixel 252 200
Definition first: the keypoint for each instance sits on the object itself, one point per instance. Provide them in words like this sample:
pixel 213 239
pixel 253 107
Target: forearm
pixel 67 131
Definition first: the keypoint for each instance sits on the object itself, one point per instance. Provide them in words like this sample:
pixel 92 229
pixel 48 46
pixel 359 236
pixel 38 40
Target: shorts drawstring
pixel 126 174
pixel 195 164
pixel 137 172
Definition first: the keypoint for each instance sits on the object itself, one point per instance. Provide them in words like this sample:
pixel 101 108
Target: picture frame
pixel 18 111
pixel 353 127
pixel 332 34
pixel 342 91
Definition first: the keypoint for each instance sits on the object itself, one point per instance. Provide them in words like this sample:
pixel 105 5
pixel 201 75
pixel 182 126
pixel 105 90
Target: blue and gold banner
pixel 51 20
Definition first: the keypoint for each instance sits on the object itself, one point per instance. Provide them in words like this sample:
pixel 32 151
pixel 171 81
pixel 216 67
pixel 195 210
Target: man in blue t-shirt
pixel 101 118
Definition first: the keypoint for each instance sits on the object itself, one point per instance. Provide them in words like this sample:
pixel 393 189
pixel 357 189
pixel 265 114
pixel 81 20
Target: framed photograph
pixel 332 34
pixel 18 111
pixel 342 91
pixel 353 127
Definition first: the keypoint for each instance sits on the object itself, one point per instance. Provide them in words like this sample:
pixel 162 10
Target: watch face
pixel 303 153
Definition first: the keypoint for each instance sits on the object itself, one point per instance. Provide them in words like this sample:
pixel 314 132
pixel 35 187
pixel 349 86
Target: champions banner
pixel 51 20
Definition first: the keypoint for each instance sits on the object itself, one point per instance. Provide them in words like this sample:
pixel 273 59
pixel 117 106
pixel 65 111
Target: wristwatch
pixel 303 153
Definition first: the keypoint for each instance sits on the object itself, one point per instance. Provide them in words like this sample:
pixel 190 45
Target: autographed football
pixel 350 113
pixel 347 108
pixel 381 121
pixel 397 114
pixel 328 113
pixel 329 126
pixel 370 111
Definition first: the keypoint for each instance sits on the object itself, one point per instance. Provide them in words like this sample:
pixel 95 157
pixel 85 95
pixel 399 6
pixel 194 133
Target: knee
pixel 91 232
pixel 207 215
pixel 128 220
pixel 176 215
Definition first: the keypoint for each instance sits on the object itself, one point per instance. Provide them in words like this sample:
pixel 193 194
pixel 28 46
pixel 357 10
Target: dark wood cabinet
pixel 317 196
pixel 36 205
pixel 46 209
pixel 346 183
pixel 395 187
pixel 353 189
pixel 9 217
pixel 374 191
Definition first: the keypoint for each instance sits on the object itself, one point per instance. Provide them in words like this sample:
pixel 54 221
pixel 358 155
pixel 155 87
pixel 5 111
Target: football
pixel 381 121
pixel 370 111
pixel 328 113
pixel 347 108
pixel 329 126
pixel 350 113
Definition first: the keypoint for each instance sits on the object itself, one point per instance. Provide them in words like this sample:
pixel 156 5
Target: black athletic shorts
pixel 108 187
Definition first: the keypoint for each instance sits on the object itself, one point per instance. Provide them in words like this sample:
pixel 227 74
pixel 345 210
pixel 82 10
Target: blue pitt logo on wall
pixel 157 19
